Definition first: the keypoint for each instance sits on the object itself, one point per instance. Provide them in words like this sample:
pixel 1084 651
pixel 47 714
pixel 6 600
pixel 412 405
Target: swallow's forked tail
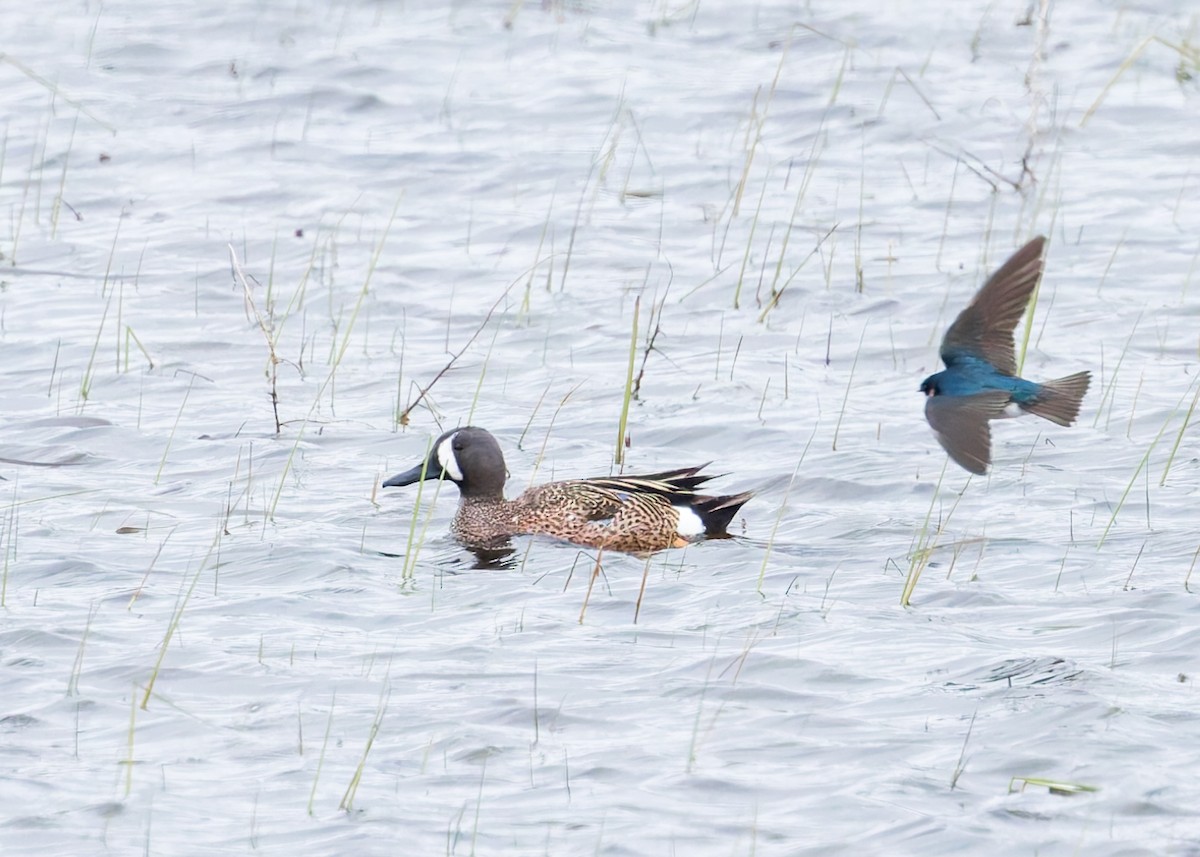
pixel 1059 401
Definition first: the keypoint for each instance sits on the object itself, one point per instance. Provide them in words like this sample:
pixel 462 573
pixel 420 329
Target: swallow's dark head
pixel 929 387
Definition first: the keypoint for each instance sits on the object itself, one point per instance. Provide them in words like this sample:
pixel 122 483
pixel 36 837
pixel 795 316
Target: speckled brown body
pixel 578 511
pixel 636 514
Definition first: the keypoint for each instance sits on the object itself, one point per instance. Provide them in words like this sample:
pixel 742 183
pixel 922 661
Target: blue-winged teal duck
pixel 625 513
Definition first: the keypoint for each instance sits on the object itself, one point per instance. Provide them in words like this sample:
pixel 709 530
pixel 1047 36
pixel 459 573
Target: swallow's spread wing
pixel 985 327
pixel 961 425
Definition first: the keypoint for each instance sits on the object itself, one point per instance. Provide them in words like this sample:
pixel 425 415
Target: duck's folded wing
pixel 602 497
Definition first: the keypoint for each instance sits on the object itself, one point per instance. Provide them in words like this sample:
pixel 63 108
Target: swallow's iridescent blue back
pixel 969 375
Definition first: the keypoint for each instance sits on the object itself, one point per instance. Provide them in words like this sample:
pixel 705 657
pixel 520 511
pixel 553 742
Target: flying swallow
pixel 979 382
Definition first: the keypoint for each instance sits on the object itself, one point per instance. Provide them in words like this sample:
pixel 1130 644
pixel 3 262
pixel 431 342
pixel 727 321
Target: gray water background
pixel 386 172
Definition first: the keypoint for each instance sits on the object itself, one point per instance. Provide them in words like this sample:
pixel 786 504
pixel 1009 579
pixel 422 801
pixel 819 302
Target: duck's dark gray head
pixel 468 456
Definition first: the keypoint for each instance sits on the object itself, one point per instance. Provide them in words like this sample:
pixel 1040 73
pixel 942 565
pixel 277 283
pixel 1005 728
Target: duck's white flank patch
pixel 689 522
pixel 449 462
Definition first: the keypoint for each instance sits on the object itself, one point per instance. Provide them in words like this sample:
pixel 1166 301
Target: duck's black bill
pixel 408 477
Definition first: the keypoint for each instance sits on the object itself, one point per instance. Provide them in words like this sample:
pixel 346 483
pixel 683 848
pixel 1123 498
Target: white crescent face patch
pixel 446 458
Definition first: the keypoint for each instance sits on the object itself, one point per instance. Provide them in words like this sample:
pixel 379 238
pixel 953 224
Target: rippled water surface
pixel 220 638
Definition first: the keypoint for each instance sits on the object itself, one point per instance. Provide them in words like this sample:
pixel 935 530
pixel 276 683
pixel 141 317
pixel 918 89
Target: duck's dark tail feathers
pixel 1059 401
pixel 717 512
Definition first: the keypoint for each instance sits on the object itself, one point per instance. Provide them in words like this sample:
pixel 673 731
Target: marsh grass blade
pixel 622 423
